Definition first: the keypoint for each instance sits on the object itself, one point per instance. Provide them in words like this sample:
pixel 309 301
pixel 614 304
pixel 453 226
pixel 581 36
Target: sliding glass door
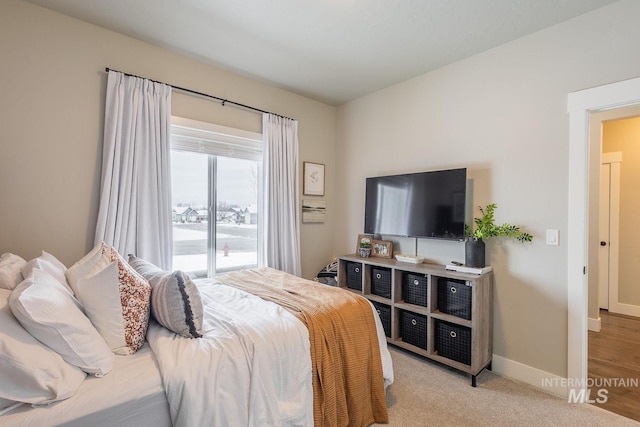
pixel 215 206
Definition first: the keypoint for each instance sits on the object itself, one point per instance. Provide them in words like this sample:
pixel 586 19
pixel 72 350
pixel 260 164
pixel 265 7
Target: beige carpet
pixel 426 393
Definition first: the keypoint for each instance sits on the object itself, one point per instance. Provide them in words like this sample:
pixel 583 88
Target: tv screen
pixel 424 204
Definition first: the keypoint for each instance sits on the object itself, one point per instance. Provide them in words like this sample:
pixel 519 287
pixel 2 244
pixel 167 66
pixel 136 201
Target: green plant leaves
pixel 486 227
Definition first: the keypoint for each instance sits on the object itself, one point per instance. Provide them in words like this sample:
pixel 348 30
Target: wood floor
pixel 614 355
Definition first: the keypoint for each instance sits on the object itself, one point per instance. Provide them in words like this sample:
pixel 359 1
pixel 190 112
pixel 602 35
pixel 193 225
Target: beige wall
pixel 624 136
pixel 503 115
pixel 52 86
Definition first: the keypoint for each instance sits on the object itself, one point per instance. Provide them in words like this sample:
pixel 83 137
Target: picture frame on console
pixel 363 238
pixel 382 248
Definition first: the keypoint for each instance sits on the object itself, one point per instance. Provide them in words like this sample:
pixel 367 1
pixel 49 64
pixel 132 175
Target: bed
pixel 262 347
pixel 139 401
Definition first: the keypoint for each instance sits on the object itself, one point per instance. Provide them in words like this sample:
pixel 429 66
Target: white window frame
pixel 208 138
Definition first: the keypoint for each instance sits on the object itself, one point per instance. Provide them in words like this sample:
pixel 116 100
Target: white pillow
pixel 48 263
pixel 114 296
pixel 47 309
pixel 89 264
pixel 175 299
pixel 30 371
pixel 11 270
pixel 100 296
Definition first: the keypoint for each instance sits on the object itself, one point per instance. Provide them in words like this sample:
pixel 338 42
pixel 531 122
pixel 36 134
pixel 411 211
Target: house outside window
pixel 215 174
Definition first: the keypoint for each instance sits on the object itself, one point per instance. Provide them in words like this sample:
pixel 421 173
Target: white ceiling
pixel 330 50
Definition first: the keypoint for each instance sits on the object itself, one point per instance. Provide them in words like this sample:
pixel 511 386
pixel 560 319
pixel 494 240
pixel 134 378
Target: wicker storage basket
pixel 453 342
pixel 454 297
pixel 384 311
pixel 381 282
pixel 354 275
pixel 414 329
pixel 414 288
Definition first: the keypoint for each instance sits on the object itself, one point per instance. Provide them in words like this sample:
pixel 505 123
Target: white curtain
pixel 135 198
pixel 281 225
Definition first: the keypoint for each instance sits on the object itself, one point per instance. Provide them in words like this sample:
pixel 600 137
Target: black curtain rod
pixel 222 100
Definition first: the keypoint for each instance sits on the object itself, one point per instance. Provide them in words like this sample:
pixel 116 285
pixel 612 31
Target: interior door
pixel 603 235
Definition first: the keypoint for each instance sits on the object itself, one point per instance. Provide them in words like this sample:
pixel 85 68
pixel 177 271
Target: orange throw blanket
pixel 348 385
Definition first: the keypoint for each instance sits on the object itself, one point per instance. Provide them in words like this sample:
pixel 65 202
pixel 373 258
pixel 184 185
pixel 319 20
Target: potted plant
pixel 486 227
pixel 365 248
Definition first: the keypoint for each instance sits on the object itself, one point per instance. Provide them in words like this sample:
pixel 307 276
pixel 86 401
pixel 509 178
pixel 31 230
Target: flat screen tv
pixel 424 204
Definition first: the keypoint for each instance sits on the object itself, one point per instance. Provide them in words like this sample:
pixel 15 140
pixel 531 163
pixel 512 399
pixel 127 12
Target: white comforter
pixel 251 368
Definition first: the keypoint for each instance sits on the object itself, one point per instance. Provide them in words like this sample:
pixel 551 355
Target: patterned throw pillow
pixel 135 296
pixel 175 299
pixel 114 297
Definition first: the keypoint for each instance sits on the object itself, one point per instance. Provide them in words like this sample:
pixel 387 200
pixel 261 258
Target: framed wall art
pixel 313 179
pixel 314 210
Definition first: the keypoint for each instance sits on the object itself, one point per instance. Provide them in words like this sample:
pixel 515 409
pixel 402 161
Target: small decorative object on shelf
pixel 485 228
pixel 466 269
pixel 413 259
pixel 364 238
pixel 365 248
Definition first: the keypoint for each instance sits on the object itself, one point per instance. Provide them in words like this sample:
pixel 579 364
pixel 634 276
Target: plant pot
pixel 365 252
pixel 474 253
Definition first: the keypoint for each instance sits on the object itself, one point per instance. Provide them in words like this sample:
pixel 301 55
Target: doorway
pixel 614 344
pixel 617 235
pixel 580 105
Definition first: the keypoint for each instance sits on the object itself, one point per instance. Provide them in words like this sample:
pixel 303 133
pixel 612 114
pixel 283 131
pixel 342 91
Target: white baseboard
pixel 627 309
pixel 550 383
pixel 594 324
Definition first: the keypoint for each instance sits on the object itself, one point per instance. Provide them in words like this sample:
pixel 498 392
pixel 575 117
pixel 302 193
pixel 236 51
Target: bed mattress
pixel 130 395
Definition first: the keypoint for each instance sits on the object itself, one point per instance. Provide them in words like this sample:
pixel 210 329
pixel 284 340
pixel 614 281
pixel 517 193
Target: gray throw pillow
pixel 175 299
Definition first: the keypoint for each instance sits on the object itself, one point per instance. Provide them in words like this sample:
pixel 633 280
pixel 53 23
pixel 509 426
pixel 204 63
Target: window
pixel 215 180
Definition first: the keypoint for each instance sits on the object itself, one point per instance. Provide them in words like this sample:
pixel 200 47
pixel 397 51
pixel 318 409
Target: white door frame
pixel 580 105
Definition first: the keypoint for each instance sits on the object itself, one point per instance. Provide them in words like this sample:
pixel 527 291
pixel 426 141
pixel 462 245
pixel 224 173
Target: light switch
pixel 552 237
